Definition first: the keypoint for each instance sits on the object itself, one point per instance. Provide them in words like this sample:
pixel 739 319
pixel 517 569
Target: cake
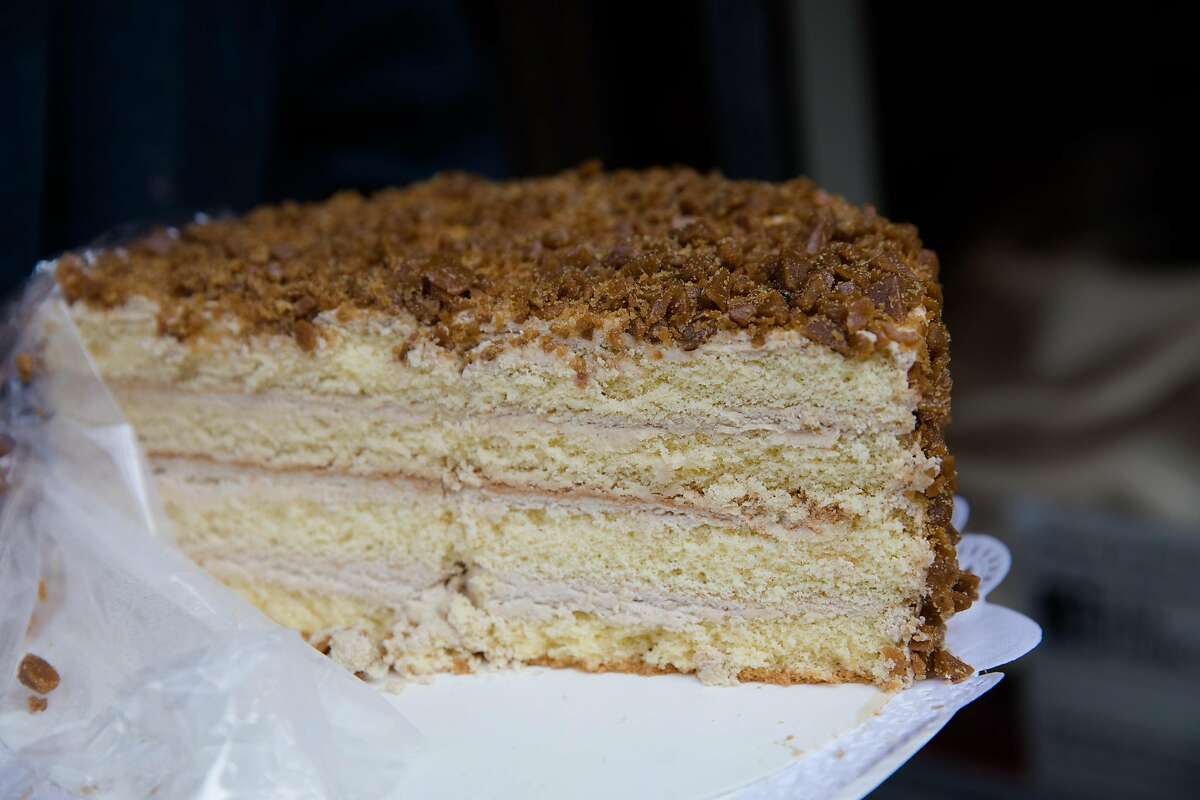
pixel 640 421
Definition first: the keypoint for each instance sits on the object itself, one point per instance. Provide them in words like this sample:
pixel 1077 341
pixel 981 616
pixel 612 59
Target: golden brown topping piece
pixel 36 704
pixel 950 667
pixel 25 367
pixel 36 673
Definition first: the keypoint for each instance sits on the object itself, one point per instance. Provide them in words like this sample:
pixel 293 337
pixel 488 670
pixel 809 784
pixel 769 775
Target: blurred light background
pixel 1046 153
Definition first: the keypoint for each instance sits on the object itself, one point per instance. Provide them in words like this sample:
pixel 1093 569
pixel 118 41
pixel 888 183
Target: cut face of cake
pixel 639 421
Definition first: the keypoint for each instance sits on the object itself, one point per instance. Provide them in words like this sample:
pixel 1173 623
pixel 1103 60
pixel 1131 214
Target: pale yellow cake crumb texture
pixel 800 651
pixel 760 476
pixel 746 510
pixel 798 386
pixel 711 597
pixel 601 546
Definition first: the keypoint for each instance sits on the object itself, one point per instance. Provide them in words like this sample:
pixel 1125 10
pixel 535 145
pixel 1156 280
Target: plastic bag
pixel 170 684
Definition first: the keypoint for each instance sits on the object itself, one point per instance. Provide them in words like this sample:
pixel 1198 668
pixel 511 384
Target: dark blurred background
pixel 1047 153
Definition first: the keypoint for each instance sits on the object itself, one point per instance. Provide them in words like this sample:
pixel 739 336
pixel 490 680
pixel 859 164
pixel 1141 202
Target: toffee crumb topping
pixel 671 255
pixel 36 673
pixel 26 366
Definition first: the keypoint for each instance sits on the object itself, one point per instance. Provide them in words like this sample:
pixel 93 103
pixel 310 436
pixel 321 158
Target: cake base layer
pixel 431 580
pixel 375 640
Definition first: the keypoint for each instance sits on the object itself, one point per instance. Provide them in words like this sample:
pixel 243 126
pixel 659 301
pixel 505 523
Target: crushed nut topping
pixel 673 255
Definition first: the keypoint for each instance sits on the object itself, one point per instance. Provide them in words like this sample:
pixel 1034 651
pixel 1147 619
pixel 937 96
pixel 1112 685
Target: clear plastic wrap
pixel 170 685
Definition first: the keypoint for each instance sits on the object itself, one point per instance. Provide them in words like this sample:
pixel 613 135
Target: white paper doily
pixel 551 733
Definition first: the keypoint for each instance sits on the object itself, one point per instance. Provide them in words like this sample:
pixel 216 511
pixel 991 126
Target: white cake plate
pixel 558 733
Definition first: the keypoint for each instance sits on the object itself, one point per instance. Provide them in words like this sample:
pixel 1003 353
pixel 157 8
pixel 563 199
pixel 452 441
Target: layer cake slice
pixel 642 421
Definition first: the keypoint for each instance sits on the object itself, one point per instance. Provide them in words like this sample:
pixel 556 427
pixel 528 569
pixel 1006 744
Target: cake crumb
pixel 401 351
pixel 714 670
pixel 36 704
pixel 306 335
pixel 790 743
pixel 581 371
pixel 36 673
pixel 951 667
pixel 42 591
pixel 352 649
pixel 25 366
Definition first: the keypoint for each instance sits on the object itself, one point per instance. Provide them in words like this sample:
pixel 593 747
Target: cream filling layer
pixel 200 483
pixel 772 477
pixel 511 596
pixel 513 544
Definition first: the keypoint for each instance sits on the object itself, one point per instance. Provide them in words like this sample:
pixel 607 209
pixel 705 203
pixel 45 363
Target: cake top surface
pixel 668 255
